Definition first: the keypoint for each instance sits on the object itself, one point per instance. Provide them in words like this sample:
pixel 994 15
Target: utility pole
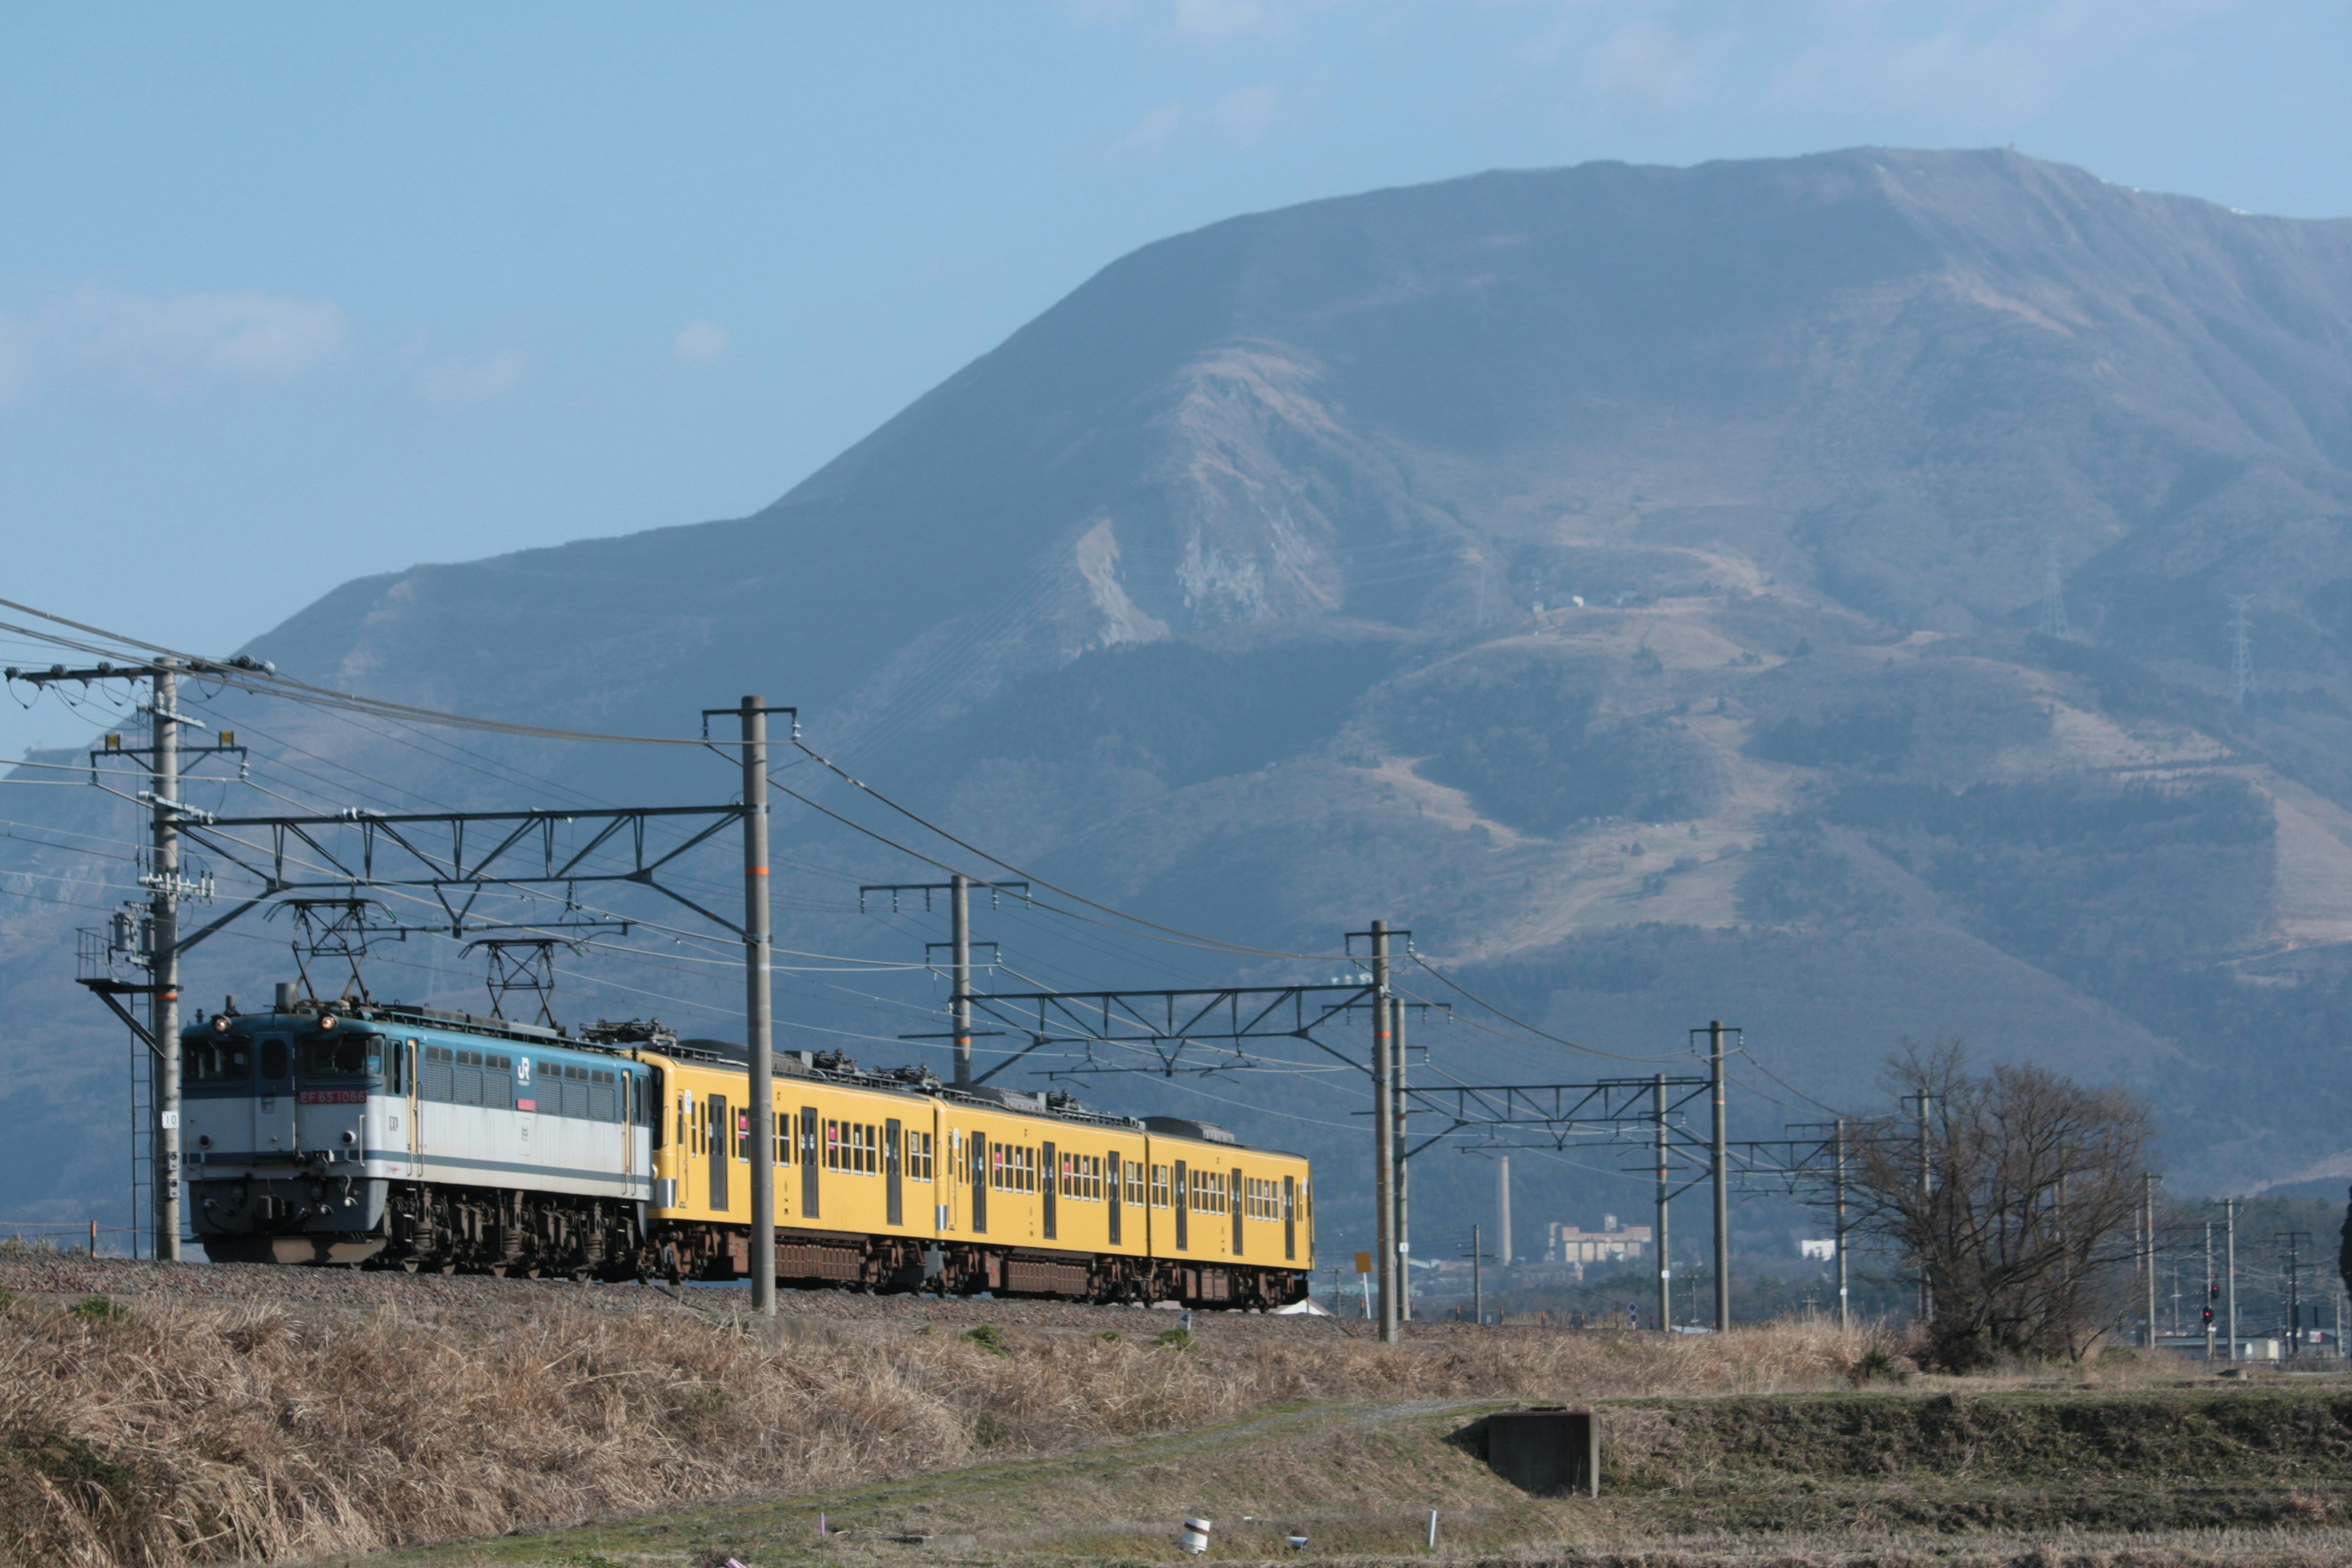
pixel 165 888
pixel 2294 1240
pixel 1722 1184
pixel 759 1023
pixel 1843 1323
pixel 1665 1256
pixel 960 1000
pixel 2229 1268
pixel 1384 1138
pixel 1927 1196
pixel 2209 1292
pixel 1402 1144
pixel 2147 1218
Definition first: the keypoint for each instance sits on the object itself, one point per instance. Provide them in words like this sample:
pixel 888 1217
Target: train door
pixel 809 1161
pixel 980 1183
pixel 1111 1195
pixel 1053 1186
pixel 415 1131
pixel 275 1130
pixel 1184 1210
pixel 894 1199
pixel 1235 1187
pixel 1290 1219
pixel 718 1134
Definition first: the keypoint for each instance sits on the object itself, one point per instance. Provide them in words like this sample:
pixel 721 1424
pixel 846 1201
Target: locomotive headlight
pixel 220 1023
pixel 326 1020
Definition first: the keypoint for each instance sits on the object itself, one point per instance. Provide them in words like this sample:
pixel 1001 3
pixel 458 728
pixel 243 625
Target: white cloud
pixel 1983 65
pixel 15 360
pixel 1246 114
pixel 1651 67
pixel 698 342
pixel 1154 131
pixel 1214 22
pixel 171 344
pixel 472 378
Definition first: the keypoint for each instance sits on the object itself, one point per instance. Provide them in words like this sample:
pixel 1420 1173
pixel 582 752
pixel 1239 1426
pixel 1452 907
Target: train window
pixel 1159 1186
pixel 221 1060
pixel 1133 1175
pixel 273 1059
pixel 1082 1177
pixel 833 1146
pixel 1208 1192
pixel 919 1156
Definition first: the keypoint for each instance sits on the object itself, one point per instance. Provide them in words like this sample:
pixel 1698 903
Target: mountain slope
pixel 1628 578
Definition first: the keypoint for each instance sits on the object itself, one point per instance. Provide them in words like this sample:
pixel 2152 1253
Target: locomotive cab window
pixel 224 1058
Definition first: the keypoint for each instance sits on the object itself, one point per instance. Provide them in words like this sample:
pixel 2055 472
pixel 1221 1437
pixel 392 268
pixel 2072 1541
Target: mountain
pixel 1808 593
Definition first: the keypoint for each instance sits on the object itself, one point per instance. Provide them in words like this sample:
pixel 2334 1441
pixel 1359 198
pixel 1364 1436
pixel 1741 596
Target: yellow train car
pixel 894 1181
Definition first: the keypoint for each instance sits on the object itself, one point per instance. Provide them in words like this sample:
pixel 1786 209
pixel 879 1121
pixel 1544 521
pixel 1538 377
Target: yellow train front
pixel 894 1180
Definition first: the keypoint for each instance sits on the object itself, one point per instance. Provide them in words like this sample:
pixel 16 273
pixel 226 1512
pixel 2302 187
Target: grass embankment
pixel 171 1432
pixel 2141 1477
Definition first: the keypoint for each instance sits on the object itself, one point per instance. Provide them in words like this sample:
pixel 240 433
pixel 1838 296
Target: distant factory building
pixel 1612 1243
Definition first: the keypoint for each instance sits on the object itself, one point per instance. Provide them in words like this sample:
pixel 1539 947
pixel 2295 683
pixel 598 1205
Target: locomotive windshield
pixel 340 1056
pixel 221 1060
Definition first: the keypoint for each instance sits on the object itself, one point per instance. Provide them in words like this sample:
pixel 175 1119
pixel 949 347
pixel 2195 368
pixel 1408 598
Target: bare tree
pixel 2015 1203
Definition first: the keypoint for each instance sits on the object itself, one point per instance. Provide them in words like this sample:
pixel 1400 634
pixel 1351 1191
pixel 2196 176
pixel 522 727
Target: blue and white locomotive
pixel 330 1132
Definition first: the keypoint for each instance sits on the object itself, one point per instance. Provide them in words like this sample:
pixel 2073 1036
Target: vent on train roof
pixel 1185 1126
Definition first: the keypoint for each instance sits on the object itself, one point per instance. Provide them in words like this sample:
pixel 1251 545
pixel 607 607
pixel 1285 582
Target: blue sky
pixel 290 295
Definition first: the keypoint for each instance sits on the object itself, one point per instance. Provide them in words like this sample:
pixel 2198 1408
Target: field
pixel 325 1417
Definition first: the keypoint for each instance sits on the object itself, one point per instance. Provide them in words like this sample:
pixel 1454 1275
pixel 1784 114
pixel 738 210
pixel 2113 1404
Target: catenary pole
pixel 1405 1167
pixel 1477 1278
pixel 1384 1260
pixel 1665 1253
pixel 759 1024
pixel 2208 1313
pixel 960 1002
pixel 1843 1321
pixel 164 911
pixel 2147 1218
pixel 1722 1170
pixel 2229 1268
pixel 1502 1206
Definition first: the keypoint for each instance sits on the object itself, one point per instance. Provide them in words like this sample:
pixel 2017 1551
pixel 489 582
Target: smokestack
pixel 1503 1205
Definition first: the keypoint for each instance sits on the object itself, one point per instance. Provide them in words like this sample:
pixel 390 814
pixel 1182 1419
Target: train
pixel 383 1135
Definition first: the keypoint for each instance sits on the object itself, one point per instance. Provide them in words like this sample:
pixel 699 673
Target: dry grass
pixel 179 1432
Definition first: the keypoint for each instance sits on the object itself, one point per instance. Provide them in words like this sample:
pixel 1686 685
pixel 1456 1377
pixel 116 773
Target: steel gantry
pixel 1174 1027
pixel 456 857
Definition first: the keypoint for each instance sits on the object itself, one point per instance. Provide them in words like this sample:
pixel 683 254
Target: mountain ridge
pixel 1628 577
